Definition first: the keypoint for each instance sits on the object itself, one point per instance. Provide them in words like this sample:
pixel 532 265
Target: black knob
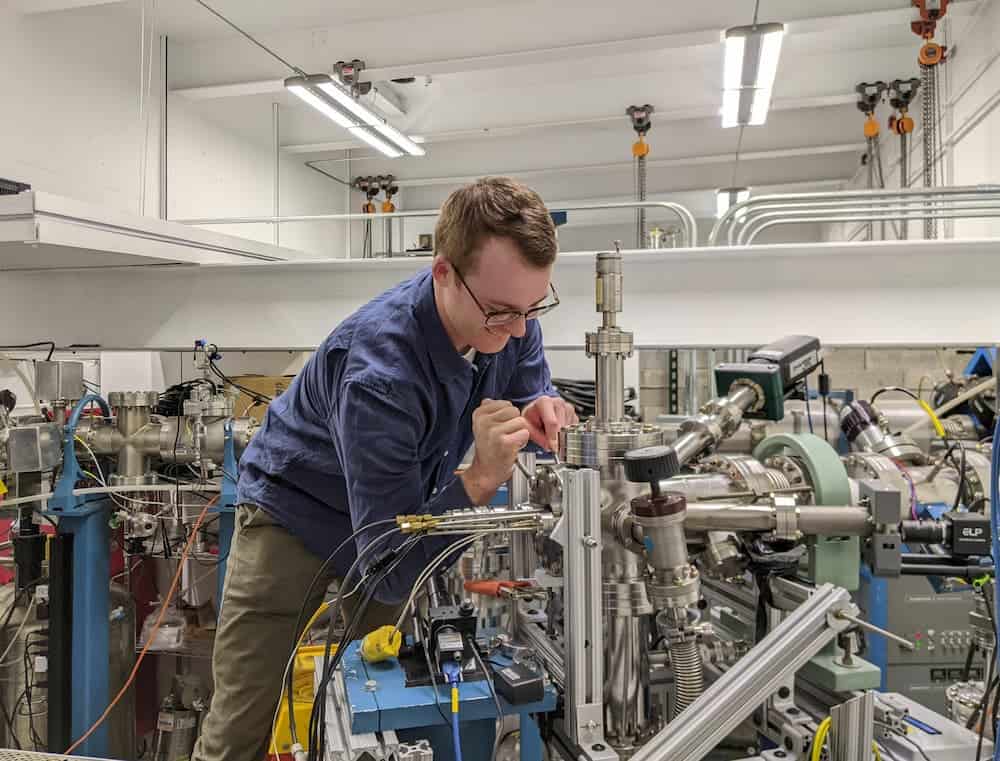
pixel 466 608
pixel 650 465
pixel 8 400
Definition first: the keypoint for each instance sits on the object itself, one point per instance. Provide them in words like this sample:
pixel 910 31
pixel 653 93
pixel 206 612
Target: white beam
pixel 847 294
pixel 657 43
pixel 666 115
pixel 31 7
pixel 717 158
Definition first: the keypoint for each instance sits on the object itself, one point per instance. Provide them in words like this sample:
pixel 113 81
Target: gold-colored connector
pixel 412 524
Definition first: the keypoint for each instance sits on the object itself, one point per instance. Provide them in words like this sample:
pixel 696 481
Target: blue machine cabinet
pixel 412 713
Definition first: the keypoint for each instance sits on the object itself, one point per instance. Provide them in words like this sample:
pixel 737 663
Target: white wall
pixel 213 172
pixel 70 85
pixel 70 92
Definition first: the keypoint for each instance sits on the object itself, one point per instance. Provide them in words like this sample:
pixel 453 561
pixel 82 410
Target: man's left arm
pixel 531 389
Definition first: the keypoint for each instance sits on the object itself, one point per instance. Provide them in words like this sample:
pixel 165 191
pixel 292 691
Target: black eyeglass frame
pixel 501 317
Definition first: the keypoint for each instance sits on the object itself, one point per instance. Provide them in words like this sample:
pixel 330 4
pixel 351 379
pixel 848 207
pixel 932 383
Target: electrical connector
pixel 298 752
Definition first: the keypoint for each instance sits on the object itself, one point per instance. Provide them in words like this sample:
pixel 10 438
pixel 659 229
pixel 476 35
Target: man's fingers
pixel 516 440
pixel 549 416
pixel 538 435
pixel 517 423
pixel 489 406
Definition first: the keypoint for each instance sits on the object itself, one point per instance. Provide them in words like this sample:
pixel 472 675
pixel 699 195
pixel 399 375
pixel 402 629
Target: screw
pixel 589 541
pixel 598 747
pixel 781 753
pixel 371 685
pixel 591 725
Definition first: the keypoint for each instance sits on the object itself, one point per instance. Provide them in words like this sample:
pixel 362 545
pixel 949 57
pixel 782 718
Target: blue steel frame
pixel 85 518
pixel 226 507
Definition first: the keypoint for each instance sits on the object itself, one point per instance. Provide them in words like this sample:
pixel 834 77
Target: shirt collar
pixel 448 363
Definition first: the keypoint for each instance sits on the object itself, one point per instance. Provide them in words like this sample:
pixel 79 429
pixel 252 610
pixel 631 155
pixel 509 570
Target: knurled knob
pixel 650 465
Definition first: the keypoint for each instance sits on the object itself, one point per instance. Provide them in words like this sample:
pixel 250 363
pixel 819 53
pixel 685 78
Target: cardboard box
pixel 266 385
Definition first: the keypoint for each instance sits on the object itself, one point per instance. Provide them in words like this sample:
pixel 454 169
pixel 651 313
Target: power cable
pixel 35 345
pixel 252 39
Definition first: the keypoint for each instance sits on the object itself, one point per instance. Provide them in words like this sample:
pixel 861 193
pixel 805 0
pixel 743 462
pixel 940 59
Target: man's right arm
pixel 379 441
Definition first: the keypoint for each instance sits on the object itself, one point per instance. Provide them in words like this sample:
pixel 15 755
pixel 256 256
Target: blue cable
pixel 456 738
pixel 995 535
pixel 453 673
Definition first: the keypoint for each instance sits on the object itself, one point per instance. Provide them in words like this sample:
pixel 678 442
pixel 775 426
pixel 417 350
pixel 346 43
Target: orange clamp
pixel 871 126
pixel 494 588
pixel 640 148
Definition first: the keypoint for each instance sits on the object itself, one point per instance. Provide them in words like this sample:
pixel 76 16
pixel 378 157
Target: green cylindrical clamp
pixel 831 485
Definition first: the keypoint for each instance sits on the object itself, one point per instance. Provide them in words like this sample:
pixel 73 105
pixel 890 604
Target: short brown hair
pixel 495 206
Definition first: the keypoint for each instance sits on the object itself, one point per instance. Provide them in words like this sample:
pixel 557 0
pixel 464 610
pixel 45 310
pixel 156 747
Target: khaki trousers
pixel 267 576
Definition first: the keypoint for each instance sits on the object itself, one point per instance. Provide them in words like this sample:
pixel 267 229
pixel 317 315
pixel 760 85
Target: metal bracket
pixel 584 615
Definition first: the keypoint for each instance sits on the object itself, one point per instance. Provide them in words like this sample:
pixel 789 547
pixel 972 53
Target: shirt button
pixel 434 490
pixel 446 453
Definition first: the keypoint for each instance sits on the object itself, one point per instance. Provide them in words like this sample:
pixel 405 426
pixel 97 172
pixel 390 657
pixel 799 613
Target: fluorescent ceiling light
pixel 750 66
pixel 340 94
pixel 725 198
pixel 334 101
pixel 320 105
pixel 362 133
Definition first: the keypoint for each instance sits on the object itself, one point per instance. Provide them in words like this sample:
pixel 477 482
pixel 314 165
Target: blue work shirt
pixel 376 424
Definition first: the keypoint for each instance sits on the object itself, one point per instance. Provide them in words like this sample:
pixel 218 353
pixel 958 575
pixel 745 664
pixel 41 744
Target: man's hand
pixel 500 433
pixel 546 416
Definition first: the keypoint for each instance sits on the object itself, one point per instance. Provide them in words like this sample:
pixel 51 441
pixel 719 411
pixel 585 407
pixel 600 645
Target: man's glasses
pixel 498 318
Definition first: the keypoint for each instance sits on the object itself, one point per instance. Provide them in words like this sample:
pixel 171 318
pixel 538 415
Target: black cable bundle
pixel 582 395
pixel 213 354
pixel 383 566
pixel 171 403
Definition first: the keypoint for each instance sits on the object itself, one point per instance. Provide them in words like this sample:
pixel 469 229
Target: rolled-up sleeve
pixel 532 378
pixel 379 437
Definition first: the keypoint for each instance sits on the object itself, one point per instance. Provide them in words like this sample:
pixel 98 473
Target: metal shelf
pixel 41 231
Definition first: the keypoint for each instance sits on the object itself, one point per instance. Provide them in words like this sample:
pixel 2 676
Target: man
pixel 375 426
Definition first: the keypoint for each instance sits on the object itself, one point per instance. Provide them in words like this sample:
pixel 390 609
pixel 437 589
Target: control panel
pixel 934 645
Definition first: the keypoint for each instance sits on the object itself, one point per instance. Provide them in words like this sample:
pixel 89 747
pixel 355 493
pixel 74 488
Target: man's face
pixel 502 281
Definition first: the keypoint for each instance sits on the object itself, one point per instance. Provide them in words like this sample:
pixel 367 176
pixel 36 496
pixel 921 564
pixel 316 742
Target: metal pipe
pixel 277 170
pixel 164 95
pixel 738 211
pixel 609 401
pixel 956 203
pixel 684 215
pixel 763 221
pixel 819 520
pixel 523 559
pixel 742 688
pixel 873 217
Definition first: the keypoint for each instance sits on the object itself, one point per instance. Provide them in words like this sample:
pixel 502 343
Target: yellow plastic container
pixel 302 699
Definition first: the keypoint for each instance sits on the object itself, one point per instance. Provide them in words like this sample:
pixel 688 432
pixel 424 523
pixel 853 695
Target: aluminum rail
pixel 738 213
pixel 684 215
pixel 742 688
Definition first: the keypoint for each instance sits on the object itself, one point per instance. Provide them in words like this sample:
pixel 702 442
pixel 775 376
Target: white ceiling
pixel 540 87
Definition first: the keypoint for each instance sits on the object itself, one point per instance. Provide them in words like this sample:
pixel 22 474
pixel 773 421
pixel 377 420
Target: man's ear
pixel 441 270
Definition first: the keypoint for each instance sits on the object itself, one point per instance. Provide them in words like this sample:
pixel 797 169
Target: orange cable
pixel 153 631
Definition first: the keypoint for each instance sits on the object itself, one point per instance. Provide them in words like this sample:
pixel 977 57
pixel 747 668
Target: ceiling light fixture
pixel 750 66
pixel 725 198
pixel 335 102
